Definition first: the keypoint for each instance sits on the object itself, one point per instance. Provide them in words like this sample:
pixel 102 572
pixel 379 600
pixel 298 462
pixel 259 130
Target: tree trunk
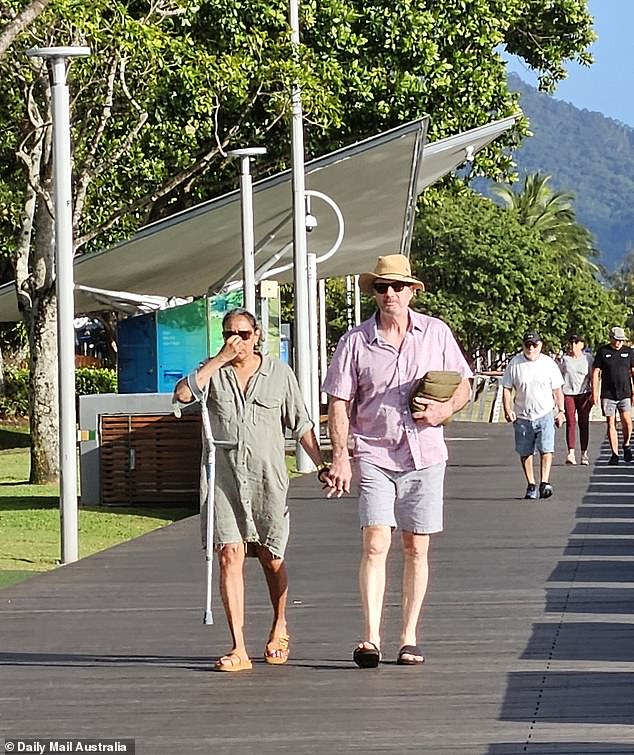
pixel 19 23
pixel 43 362
pixel 35 289
pixel 43 379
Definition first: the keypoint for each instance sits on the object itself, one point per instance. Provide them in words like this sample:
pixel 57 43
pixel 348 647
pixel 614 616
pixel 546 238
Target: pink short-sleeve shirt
pixel 377 378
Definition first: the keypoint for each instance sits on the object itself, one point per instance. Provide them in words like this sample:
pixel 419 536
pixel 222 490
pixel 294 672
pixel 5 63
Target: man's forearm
pixel 338 427
pixel 340 472
pixel 461 395
pixel 507 401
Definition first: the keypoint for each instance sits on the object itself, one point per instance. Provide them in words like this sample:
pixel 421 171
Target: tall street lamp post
pixel 56 58
pixel 300 251
pixel 246 205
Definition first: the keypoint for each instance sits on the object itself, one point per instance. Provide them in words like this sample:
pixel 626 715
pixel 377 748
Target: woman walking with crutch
pixel 251 399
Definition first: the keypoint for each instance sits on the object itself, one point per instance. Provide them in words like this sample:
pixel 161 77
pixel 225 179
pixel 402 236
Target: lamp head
pixel 58 52
pixel 247 152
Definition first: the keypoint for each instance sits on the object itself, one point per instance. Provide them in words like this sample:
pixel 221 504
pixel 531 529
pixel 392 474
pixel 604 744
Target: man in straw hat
pixel 399 454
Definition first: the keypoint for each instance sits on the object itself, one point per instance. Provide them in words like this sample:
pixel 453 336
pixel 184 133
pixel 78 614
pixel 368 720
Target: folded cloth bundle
pixel 439 385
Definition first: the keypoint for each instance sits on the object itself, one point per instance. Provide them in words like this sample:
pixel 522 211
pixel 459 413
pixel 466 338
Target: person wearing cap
pixel 613 368
pixel 576 369
pixel 399 455
pixel 534 403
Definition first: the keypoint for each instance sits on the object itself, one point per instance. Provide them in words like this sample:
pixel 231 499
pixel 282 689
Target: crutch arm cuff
pixel 192 384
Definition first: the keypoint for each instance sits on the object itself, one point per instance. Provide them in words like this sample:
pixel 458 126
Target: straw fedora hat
pixel 391 267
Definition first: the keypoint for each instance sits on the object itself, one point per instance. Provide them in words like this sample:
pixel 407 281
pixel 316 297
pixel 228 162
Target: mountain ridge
pixel 592 157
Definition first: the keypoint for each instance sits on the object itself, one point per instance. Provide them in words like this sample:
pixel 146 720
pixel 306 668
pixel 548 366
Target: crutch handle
pixel 177 408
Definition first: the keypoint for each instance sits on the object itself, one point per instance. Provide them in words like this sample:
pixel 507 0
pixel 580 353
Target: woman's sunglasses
pixel 244 334
pixel 396 286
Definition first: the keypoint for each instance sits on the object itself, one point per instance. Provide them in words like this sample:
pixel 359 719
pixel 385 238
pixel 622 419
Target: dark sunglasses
pixel 244 334
pixel 396 286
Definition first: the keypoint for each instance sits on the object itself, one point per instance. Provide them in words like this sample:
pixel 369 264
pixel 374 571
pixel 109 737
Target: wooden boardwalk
pixel 528 630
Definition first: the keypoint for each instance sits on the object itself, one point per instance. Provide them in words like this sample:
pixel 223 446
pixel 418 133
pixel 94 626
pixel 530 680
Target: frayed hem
pixel 249 547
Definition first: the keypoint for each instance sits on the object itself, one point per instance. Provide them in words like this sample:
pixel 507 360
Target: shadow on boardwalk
pixel 528 631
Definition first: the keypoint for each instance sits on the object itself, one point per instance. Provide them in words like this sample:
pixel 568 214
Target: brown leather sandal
pixel 276 645
pixel 232 662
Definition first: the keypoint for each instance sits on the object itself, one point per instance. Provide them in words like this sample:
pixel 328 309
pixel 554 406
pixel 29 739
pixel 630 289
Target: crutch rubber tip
pixel 208 618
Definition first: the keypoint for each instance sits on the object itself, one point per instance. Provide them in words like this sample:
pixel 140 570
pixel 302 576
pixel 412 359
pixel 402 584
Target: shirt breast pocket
pixel 222 405
pixel 267 411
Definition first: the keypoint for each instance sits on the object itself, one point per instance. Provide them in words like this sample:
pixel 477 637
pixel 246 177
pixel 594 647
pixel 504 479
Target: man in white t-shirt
pixel 534 403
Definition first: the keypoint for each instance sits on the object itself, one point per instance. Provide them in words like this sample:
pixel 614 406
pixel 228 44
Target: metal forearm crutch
pixel 210 475
pixel 210 468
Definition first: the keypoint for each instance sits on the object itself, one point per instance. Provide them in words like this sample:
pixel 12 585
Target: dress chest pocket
pixel 267 411
pixel 222 405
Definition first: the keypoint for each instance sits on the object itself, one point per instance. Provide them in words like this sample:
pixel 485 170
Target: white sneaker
pixel 584 458
pixel 570 459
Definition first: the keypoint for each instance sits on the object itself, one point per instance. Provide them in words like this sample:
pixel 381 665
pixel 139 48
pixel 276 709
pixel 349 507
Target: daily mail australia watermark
pixel 45 745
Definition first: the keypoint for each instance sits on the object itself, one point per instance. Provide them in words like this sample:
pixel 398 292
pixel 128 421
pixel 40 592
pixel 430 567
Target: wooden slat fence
pixel 150 459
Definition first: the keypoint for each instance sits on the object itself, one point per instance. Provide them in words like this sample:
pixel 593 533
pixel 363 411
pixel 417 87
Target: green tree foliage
pixel 622 281
pixel 14 399
pixel 586 153
pixel 552 215
pixel 531 37
pixel 491 278
pixel 339 309
pixel 90 380
pixel 396 61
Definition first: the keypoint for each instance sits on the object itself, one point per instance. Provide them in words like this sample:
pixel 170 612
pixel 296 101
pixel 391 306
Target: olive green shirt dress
pixel 251 480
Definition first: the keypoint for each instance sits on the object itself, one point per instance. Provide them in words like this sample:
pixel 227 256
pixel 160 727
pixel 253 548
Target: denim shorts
pixel 535 435
pixel 609 406
pixel 412 501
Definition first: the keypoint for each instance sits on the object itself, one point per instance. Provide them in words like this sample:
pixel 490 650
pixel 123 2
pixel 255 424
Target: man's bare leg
pixel 415 581
pixel 374 550
pixel 527 468
pixel 277 582
pixel 231 561
pixel 626 427
pixel 612 435
pixel 545 464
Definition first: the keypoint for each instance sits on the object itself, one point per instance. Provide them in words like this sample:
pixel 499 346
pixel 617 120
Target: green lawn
pixel 29 517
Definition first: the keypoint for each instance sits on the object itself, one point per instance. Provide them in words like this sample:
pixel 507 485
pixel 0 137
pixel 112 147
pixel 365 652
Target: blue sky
pixel 607 85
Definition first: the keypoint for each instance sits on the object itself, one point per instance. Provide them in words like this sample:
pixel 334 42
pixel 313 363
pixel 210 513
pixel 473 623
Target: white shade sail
pixel 445 155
